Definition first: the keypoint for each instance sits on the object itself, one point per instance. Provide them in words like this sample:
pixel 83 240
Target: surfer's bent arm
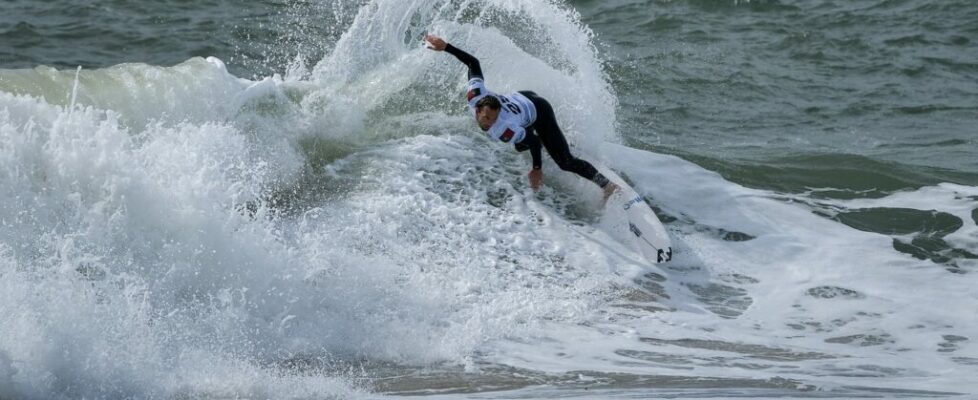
pixel 475 71
pixel 531 142
pixel 438 44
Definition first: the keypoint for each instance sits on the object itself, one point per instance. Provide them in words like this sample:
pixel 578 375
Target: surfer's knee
pixel 567 164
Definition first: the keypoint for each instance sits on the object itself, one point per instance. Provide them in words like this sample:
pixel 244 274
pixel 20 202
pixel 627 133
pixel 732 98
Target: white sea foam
pixel 829 305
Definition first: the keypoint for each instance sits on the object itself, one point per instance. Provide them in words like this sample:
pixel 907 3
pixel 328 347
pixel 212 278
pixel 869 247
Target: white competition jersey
pixel 517 112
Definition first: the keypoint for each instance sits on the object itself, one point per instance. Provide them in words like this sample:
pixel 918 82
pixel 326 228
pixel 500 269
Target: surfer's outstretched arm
pixel 532 143
pixel 437 44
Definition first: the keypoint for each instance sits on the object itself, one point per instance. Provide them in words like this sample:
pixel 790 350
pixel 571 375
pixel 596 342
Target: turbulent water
pixel 287 199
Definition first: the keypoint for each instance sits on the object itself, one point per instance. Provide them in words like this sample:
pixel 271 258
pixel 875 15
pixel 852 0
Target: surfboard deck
pixel 630 212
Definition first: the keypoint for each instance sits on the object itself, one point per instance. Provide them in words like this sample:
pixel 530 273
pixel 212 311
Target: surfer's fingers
pixel 435 42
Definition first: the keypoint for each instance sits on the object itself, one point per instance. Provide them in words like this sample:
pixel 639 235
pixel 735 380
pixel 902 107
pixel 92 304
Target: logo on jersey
pixel 507 136
pixel 475 92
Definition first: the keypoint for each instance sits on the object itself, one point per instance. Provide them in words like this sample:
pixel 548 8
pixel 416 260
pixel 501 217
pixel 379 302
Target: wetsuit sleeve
pixel 475 71
pixel 531 142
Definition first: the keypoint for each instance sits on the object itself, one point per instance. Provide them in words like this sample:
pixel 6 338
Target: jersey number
pixel 509 104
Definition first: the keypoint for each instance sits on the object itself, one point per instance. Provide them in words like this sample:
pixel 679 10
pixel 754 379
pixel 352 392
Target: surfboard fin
pixel 665 255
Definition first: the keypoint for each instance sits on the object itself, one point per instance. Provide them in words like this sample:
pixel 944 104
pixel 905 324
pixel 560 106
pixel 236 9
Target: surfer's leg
pixel 553 140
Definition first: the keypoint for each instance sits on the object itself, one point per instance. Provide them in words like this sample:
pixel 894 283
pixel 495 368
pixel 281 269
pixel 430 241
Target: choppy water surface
pixel 288 200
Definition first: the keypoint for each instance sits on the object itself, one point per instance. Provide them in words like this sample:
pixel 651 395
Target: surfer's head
pixel 486 111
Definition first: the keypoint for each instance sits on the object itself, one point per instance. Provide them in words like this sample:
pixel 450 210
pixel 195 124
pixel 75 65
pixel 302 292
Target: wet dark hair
pixel 489 101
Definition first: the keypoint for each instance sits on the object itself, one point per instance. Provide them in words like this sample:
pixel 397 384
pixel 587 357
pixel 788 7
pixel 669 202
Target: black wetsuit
pixel 543 132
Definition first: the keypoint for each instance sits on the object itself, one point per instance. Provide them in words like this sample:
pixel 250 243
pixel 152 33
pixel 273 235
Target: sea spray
pixel 152 251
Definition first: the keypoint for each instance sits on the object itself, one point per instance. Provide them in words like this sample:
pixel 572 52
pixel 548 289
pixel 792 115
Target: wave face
pixel 343 230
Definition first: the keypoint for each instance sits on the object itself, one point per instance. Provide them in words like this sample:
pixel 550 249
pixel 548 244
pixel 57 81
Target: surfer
pixel 522 118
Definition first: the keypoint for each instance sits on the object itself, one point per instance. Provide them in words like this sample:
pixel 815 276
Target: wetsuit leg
pixel 553 140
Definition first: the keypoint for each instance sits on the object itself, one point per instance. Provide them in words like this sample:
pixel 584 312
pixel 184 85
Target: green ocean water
pixel 861 96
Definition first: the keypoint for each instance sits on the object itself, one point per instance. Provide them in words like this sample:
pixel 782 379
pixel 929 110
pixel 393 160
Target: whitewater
pixel 343 230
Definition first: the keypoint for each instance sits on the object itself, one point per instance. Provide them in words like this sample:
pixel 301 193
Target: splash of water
pixel 152 244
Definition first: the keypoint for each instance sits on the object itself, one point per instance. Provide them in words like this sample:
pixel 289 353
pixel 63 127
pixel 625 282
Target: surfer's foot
pixel 609 190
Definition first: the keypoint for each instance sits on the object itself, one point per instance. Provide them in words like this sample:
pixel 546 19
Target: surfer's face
pixel 486 116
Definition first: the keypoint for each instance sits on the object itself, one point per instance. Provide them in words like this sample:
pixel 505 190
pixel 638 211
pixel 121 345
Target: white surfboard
pixel 632 213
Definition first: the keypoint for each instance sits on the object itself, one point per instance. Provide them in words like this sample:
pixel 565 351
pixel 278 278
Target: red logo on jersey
pixel 473 93
pixel 507 136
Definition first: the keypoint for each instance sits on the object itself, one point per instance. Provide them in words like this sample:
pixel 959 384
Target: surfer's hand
pixel 435 43
pixel 536 178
